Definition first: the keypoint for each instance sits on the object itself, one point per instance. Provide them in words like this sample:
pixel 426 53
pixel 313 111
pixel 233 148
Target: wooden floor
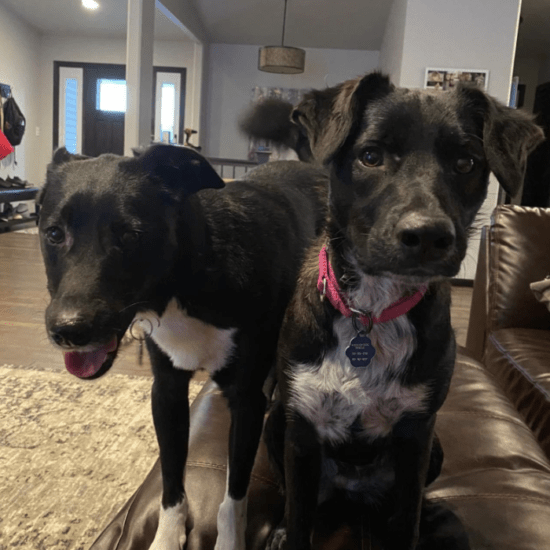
pixel 23 299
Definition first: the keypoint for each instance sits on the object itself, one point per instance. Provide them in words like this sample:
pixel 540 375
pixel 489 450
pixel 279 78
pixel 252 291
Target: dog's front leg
pixel 247 408
pixel 170 400
pixel 302 475
pixel 412 440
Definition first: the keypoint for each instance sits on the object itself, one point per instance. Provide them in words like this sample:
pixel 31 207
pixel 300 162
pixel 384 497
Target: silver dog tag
pixel 360 350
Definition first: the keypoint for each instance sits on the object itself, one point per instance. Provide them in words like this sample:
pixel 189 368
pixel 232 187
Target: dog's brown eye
pixel 372 157
pixel 129 238
pixel 464 165
pixel 55 235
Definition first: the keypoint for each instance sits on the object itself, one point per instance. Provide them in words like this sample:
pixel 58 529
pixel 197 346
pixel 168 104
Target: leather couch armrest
pixel 479 310
pixel 518 254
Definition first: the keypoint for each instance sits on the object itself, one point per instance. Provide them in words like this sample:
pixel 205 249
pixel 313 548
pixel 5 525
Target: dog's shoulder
pixel 434 358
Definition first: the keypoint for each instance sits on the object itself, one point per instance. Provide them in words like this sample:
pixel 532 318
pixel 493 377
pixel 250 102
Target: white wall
pixel 101 50
pixel 528 71
pixel 463 35
pixel 233 73
pixel 184 15
pixel 391 52
pixel 19 67
pixel 470 34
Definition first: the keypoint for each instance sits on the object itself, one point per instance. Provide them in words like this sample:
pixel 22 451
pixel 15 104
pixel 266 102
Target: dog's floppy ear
pixel 329 117
pixel 509 136
pixel 182 169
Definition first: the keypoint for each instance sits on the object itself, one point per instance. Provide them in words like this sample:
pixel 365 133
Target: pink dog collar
pixel 327 285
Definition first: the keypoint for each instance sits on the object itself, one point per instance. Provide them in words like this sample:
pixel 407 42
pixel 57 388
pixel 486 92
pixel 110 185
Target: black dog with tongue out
pixel 208 269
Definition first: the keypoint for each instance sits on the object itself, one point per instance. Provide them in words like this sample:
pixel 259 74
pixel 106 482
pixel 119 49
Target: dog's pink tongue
pixel 87 363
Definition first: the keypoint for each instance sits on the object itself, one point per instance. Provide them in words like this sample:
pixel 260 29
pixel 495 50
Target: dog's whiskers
pixel 133 305
pixel 469 134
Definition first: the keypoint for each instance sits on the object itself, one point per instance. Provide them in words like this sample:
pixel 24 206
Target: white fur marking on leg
pixel 231 522
pixel 171 533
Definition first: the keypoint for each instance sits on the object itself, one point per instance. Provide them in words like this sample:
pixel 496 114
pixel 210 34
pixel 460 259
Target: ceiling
pixel 69 18
pixel 346 24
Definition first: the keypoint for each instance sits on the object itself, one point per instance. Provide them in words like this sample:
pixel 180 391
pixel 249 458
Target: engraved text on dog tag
pixel 360 350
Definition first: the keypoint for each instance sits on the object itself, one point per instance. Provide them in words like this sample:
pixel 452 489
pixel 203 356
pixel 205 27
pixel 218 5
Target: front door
pixel 104 108
pixel 90 102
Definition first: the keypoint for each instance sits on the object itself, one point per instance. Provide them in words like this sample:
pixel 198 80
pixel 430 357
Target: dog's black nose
pixel 426 237
pixel 71 330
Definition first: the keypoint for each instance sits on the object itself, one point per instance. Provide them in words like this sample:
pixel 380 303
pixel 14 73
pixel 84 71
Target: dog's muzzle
pixel 425 239
pixel 71 331
pixel 86 354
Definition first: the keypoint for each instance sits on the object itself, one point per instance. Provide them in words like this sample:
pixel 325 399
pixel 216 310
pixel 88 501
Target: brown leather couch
pixel 496 474
pixel 509 330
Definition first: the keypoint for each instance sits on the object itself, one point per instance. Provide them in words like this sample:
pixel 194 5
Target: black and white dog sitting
pixel 366 351
pixel 207 269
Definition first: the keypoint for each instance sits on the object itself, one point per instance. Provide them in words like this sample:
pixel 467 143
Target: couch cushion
pixel 520 361
pixel 495 476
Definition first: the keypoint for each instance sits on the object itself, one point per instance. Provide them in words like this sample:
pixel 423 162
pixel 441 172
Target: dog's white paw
pixel 231 524
pixel 171 533
pixel 277 539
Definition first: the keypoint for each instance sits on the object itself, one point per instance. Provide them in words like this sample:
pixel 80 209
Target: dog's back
pixel 258 229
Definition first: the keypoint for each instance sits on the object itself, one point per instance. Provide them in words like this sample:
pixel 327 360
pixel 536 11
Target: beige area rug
pixel 71 453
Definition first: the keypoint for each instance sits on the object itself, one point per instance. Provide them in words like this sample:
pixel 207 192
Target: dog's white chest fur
pixel 334 395
pixel 190 343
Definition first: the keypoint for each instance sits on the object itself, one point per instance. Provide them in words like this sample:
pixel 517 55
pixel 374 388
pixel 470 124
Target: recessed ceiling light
pixel 90 4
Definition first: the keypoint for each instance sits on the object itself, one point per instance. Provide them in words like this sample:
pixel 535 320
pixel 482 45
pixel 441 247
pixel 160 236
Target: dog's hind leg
pixel 247 412
pixel 274 438
pixel 170 402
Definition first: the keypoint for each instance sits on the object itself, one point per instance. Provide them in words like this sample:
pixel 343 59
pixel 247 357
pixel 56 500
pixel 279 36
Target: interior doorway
pixel 168 103
pixel 90 104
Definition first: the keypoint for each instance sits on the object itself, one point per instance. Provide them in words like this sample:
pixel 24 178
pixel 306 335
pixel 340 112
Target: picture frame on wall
pixel 447 79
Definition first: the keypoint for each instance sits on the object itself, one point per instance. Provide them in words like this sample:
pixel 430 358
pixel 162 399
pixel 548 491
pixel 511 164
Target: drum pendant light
pixel 281 59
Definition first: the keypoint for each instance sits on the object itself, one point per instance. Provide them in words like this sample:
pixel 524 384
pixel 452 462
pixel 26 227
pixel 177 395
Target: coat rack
pixel 5 90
